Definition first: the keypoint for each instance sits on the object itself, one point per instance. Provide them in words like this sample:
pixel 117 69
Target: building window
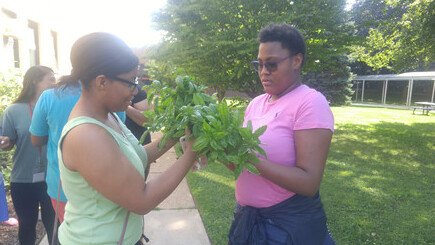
pixel 55 54
pixel 373 91
pixel 11 55
pixel 397 92
pixel 422 90
pixel 33 42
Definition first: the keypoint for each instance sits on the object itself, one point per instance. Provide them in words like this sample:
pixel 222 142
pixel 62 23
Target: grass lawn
pixel 378 186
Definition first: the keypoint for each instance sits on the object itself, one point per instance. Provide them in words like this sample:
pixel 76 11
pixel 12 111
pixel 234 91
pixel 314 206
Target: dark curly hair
pixel 288 35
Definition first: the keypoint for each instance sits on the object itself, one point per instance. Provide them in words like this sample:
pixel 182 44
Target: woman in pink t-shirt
pixel 282 204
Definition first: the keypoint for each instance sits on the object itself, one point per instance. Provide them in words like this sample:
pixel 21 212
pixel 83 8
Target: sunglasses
pixel 271 66
pixel 133 85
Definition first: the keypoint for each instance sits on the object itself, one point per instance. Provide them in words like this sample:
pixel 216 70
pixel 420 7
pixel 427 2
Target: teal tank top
pixel 90 218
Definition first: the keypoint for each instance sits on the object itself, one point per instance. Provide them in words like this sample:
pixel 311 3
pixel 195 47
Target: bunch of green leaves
pixel 216 127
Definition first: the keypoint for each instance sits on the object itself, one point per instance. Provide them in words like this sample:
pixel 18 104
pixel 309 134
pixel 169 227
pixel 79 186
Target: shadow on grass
pixel 213 191
pixel 378 183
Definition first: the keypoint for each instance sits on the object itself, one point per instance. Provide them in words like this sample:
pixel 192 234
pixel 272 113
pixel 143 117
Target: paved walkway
pixel 176 220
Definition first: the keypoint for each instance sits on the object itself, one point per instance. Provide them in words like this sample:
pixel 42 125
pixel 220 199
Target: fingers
pixel 187 130
pixel 187 141
pixel 4 142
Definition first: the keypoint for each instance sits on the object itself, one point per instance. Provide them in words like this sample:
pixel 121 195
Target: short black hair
pixel 288 35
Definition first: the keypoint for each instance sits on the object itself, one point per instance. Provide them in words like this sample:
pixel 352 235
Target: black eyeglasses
pixel 133 85
pixel 271 66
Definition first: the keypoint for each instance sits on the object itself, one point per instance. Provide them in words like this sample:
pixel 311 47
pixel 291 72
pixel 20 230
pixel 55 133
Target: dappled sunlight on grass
pixel 364 186
pixel 380 176
pixel 345 173
pixel 224 180
pixel 213 191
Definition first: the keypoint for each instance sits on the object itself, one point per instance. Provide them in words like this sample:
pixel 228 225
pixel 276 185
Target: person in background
pixel 101 163
pixel 135 119
pixel 50 116
pixel 282 205
pixel 28 186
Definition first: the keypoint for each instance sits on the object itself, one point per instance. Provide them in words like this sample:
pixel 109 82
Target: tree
pixel 400 36
pixel 165 72
pixel 214 41
pixel 10 87
pixel 333 83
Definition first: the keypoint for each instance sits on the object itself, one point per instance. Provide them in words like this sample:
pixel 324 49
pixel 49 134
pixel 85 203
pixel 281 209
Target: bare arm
pixel 153 152
pixel 135 112
pixel 38 140
pixel 312 148
pixel 112 174
pixel 136 115
pixel 143 105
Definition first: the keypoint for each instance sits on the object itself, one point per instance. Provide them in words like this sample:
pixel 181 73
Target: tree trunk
pixel 220 92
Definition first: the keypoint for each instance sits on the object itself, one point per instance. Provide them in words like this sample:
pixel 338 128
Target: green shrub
pixel 334 82
pixel 10 87
pixel 238 102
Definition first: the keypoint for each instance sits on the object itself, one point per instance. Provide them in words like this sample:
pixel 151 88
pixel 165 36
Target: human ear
pixel 100 81
pixel 297 60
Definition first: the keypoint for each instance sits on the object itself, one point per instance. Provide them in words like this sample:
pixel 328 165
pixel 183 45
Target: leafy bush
pixel 238 102
pixel 164 72
pixel 6 166
pixel 10 87
pixel 334 82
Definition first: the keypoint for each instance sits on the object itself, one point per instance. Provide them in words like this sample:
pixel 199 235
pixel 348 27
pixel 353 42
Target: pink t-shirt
pixel 302 108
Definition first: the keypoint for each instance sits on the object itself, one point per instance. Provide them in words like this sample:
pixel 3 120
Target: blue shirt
pixel 49 117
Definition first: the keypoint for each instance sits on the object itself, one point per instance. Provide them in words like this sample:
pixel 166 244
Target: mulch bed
pixel 9 234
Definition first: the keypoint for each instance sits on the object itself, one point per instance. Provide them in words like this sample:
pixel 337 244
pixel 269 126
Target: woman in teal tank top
pixel 101 163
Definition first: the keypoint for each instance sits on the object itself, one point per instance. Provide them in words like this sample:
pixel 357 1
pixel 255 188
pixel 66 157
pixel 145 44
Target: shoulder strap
pixel 83 120
pixel 123 229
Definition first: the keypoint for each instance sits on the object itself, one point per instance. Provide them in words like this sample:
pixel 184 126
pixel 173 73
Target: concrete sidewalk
pixel 176 220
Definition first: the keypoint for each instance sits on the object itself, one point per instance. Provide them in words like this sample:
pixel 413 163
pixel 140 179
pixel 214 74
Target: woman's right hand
pixel 5 143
